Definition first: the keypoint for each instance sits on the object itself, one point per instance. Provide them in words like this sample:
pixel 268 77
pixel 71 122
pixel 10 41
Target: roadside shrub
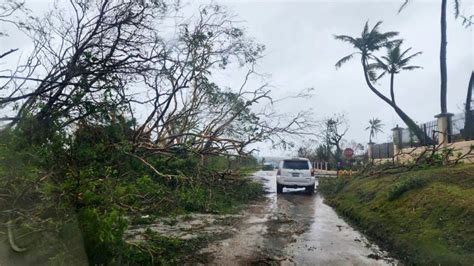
pixel 405 185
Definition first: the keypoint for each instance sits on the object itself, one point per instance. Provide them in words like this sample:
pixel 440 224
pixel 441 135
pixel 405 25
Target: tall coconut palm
pixel 375 127
pixel 468 121
pixel 393 63
pixel 369 42
pixel 443 48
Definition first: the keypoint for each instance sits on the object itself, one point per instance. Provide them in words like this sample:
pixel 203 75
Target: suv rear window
pixel 295 164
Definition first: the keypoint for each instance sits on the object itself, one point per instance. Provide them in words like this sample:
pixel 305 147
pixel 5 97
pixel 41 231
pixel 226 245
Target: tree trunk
pixel 442 58
pixel 468 122
pixel 392 93
pixel 338 152
pixel 405 118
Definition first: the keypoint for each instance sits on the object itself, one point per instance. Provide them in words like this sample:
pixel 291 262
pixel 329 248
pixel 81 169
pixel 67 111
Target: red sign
pixel 348 152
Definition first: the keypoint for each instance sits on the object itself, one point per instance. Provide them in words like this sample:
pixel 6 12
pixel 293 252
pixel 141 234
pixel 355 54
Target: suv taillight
pixel 312 172
pixel 279 172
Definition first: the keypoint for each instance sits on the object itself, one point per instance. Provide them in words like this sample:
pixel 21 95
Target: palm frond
pixel 409 68
pixel 405 61
pixel 381 75
pixel 373 66
pixel 403 6
pixel 383 65
pixel 376 27
pixel 394 43
pixel 389 35
pixel 365 31
pixel 345 38
pixel 344 60
pixel 378 65
pixel 404 52
pixel 372 75
pixel 394 53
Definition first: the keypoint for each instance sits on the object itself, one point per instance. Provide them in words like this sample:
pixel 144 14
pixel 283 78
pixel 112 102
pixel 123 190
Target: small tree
pixel 334 129
pixel 375 126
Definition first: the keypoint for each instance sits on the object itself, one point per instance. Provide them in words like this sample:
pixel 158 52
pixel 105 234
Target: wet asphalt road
pixel 295 229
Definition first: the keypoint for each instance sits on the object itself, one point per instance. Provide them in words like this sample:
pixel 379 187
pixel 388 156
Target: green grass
pixel 422 217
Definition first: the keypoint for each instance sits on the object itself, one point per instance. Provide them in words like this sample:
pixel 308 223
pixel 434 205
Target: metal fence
pixel 384 150
pixel 430 129
pixel 457 122
pixel 407 139
pixel 430 135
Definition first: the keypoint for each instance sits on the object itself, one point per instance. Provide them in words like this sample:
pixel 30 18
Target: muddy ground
pixel 285 229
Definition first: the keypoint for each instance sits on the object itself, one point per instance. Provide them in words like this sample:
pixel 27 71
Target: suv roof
pixel 295 159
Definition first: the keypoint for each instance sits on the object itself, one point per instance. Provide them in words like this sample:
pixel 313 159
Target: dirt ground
pixel 293 229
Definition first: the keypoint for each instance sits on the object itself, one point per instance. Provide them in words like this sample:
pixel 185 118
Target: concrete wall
pixel 408 154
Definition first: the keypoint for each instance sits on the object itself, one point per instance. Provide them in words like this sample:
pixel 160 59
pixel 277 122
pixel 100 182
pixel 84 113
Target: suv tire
pixel 279 188
pixel 309 190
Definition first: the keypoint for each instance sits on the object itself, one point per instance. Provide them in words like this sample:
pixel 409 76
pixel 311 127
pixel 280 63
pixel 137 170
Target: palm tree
pixel 443 47
pixel 468 121
pixel 392 63
pixel 369 42
pixel 375 127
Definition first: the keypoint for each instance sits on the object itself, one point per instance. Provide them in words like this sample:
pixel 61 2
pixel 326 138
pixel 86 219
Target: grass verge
pixel 422 217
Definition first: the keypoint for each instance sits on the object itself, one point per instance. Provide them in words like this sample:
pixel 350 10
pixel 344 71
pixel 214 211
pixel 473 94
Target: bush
pixel 404 186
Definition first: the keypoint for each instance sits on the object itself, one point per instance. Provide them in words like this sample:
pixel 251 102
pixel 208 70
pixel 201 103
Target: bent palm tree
pixel 392 63
pixel 369 42
pixel 375 126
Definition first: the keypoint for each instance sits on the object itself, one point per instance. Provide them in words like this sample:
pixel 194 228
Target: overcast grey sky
pixel 301 53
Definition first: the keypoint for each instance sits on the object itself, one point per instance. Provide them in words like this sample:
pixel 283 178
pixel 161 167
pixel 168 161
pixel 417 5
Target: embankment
pixel 422 217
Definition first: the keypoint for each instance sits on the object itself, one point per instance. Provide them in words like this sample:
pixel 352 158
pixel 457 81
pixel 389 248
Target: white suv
pixel 294 173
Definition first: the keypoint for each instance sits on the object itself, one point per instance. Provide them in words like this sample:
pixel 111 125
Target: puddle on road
pixel 330 240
